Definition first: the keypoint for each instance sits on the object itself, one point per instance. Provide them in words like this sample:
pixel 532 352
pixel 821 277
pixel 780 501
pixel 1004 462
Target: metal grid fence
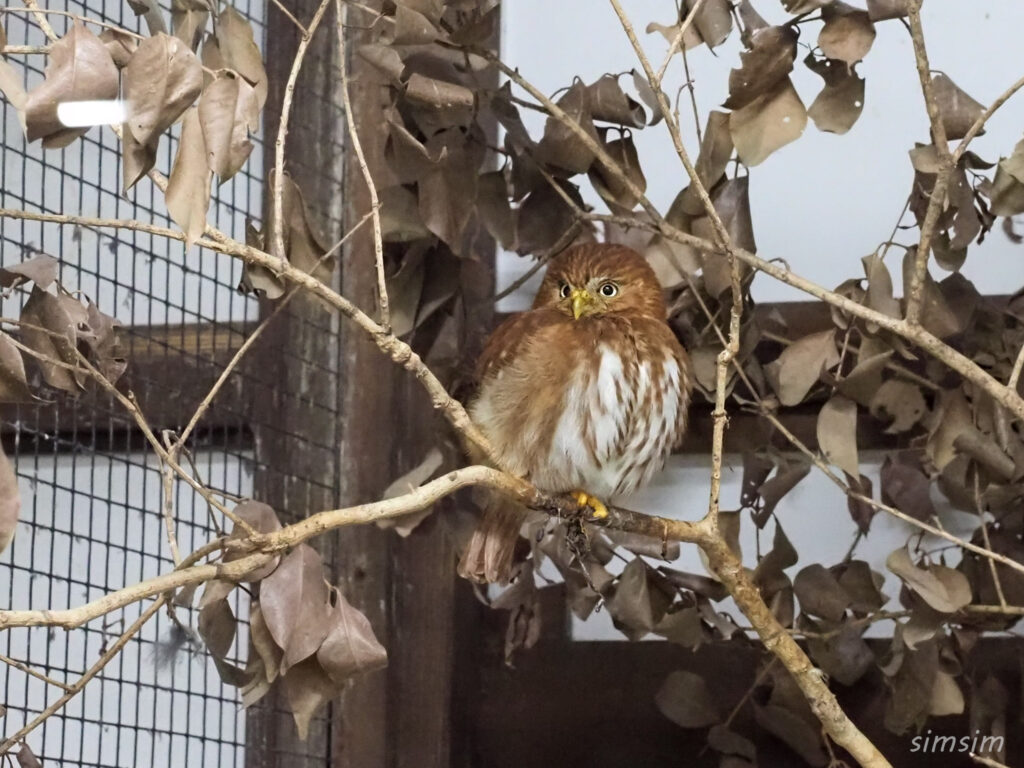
pixel 91 492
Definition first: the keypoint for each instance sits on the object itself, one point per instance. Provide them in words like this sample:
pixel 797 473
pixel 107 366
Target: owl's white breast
pixel 620 419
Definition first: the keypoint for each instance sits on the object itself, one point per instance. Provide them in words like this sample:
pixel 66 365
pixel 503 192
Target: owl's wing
pixel 509 339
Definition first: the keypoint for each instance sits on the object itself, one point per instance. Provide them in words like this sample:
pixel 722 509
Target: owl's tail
pixel 491 551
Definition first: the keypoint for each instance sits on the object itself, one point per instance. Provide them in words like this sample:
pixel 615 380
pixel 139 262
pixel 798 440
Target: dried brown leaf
pixel 837 434
pixel 764 67
pixel 685 700
pixel 120 45
pixel 294 599
pixel 411 480
pixel 104 343
pixel 900 404
pixel 303 243
pixel 609 185
pixel 560 146
pixel 13 89
pixel 947 698
pixel 493 207
pixel 862 585
pixel 10 501
pixel 13 382
pixel 228 113
pixel 162 79
pixel 150 10
pixel 682 627
pixel 350 647
pixel 610 104
pixel 631 605
pixel 907 488
pixel 188 20
pixel 79 69
pixel 957 110
pixel 40 269
pixel 800 366
pixel 136 159
pixel 820 594
pixel 841 101
pixel 713 20
pixel 944 589
pixel 234 48
pixel 879 10
pixel 217 626
pixel 847 34
pixel 543 217
pixel 261 518
pixel 188 188
pixel 262 642
pixel 844 656
pixel 55 322
pixel 768 123
pixel 26 758
pixel 307 686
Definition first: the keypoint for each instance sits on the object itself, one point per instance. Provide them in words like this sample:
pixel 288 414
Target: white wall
pixel 824 201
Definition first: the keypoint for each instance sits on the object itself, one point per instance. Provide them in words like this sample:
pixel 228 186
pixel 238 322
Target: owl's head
pixel 601 279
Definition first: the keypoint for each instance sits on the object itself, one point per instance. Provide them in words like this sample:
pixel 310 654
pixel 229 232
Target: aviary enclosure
pixel 250 255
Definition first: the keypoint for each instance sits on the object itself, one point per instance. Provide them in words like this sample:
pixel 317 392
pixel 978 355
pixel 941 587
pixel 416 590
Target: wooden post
pixel 296 377
pixel 324 384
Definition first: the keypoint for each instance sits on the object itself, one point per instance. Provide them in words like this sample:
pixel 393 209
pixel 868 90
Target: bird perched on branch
pixel 587 392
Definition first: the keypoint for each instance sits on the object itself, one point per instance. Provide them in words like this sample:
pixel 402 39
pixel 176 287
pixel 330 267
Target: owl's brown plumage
pixel 588 390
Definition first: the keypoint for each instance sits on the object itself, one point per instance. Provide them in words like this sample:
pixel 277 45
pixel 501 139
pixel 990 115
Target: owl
pixel 586 393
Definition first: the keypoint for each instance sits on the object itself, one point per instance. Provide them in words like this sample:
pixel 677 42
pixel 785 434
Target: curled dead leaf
pixel 768 123
pixel 10 501
pixel 79 69
pixel 162 79
pixel 295 604
pixel 228 113
pixel 188 188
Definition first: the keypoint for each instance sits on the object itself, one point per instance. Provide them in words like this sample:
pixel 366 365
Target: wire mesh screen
pixel 91 490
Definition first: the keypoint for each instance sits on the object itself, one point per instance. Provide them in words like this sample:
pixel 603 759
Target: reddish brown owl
pixel 586 392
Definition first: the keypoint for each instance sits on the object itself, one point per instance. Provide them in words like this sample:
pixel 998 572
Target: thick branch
pixel 263 546
pixel 915 292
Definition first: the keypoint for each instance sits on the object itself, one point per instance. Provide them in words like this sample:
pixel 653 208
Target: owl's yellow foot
pixel 584 499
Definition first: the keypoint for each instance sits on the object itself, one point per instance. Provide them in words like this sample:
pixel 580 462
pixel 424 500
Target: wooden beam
pixel 591 704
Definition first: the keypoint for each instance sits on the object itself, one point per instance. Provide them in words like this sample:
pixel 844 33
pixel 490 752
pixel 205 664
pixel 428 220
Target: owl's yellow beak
pixel 580 301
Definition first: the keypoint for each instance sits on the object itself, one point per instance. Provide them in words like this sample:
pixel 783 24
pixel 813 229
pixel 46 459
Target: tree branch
pixel 263 546
pixel 357 149
pixel 915 292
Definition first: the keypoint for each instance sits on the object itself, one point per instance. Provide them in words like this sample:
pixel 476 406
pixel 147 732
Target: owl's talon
pixel 584 499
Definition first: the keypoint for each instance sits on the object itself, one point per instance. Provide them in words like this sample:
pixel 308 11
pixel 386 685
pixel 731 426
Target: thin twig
pixel 283 9
pixel 1015 373
pixel 24 50
pixel 94 670
pixel 277 246
pixel 926 527
pixel 357 149
pixel 677 41
pixel 41 13
pixel 983 118
pixel 34 673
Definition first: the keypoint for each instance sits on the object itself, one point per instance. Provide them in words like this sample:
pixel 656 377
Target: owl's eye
pixel 564 290
pixel 609 289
